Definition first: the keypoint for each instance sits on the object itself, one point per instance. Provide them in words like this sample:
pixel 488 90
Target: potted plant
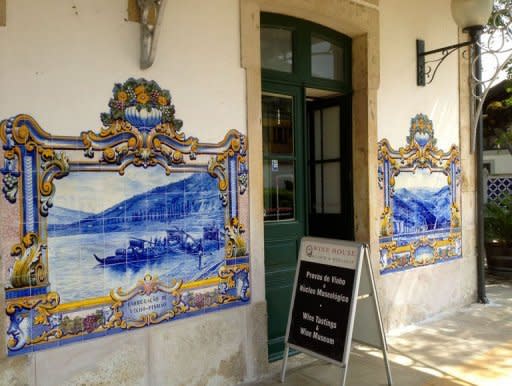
pixel 498 235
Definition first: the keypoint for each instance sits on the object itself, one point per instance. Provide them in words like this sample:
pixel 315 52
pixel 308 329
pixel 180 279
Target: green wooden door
pixel 300 61
pixel 284 190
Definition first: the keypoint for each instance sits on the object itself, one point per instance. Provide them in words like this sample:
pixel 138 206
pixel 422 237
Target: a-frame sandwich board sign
pixel 334 301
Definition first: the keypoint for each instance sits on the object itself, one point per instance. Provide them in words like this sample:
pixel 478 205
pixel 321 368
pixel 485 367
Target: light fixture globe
pixel 471 13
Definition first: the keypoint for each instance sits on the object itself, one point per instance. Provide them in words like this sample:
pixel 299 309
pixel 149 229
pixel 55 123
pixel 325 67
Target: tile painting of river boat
pixel 173 230
pixel 132 225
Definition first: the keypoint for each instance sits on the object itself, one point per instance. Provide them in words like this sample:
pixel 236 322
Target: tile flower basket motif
pixel 134 225
pixel 420 223
pixel 142 103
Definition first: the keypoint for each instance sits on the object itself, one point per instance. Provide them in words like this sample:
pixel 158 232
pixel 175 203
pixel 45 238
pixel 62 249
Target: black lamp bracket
pixel 426 69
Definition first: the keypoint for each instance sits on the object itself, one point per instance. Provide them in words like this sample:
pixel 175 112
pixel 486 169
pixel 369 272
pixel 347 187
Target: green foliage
pixel 498 119
pixel 499 16
pixel 498 221
pixel 504 140
pixel 499 112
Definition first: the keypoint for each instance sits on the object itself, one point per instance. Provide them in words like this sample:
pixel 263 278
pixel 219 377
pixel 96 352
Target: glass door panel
pixel 276 49
pixel 284 201
pixel 279 189
pixel 278 157
pixel 277 115
pixel 326 59
pixel 330 132
pixel 332 187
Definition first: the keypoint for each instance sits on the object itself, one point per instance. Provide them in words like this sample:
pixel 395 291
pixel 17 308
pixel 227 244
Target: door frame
pixel 295 83
pixel 361 23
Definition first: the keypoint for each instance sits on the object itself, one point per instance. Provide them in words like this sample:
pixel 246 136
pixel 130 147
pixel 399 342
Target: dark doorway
pixel 330 209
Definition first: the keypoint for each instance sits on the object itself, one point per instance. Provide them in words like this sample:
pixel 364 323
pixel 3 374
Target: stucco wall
pixel 59 62
pixel 401 23
pixel 421 292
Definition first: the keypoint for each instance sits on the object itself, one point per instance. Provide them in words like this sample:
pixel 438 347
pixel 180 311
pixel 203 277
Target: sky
pixel 421 179
pixel 93 192
pixel 490 62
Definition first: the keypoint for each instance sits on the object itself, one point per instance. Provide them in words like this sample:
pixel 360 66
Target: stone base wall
pixel 223 348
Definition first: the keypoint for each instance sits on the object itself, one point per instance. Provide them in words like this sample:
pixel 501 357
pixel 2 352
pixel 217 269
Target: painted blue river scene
pixel 107 231
pixel 421 204
pixel 421 210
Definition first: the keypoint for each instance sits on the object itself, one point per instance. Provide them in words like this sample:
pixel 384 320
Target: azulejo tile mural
pixel 420 223
pixel 130 226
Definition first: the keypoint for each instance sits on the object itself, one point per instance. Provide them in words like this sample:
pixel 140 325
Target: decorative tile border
pixel 498 187
pixel 420 223
pixel 130 226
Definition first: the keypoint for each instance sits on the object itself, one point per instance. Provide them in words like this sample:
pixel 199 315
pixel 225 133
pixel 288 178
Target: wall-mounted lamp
pixel 151 14
pixel 471 16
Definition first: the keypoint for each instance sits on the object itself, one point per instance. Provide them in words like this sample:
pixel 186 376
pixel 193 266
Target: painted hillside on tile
pixel 420 220
pixel 131 226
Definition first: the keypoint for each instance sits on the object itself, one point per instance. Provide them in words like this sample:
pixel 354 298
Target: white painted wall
pixel 419 293
pixel 400 99
pixel 59 63
pixel 501 161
